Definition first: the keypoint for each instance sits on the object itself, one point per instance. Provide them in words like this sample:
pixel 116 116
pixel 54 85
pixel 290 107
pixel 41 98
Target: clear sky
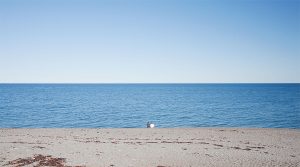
pixel 137 41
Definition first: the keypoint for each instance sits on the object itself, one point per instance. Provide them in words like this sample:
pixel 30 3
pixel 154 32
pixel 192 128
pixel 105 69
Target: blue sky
pixel 146 41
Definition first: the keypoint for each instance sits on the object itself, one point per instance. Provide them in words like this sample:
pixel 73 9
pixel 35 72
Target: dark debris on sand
pixel 39 161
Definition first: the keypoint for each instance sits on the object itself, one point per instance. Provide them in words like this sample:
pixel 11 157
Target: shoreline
pixel 212 127
pixel 213 146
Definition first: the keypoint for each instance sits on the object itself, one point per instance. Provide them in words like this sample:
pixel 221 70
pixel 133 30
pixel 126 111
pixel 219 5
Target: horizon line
pixel 149 83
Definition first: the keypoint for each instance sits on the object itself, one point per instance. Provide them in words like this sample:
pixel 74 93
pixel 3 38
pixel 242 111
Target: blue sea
pixel 133 105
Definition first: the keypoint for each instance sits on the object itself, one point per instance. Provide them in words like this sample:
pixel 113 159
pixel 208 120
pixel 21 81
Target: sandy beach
pixel 156 147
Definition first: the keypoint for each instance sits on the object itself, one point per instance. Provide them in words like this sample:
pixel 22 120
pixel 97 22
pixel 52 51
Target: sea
pixel 165 105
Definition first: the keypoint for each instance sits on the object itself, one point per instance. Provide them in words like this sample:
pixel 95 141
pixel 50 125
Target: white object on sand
pixel 150 125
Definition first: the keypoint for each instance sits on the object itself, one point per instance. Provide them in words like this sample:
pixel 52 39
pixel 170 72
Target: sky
pixel 149 41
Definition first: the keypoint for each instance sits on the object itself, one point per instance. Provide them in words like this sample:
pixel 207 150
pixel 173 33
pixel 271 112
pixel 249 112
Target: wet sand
pixel 156 147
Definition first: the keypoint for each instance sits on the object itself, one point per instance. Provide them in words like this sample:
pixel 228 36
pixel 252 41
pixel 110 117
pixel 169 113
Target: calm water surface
pixel 167 105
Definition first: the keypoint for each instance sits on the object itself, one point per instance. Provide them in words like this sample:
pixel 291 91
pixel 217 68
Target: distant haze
pixel 149 41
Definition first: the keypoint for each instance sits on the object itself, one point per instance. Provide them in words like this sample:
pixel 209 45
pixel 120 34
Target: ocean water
pixel 166 105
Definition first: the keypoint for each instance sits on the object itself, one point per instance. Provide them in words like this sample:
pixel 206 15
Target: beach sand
pixel 150 147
